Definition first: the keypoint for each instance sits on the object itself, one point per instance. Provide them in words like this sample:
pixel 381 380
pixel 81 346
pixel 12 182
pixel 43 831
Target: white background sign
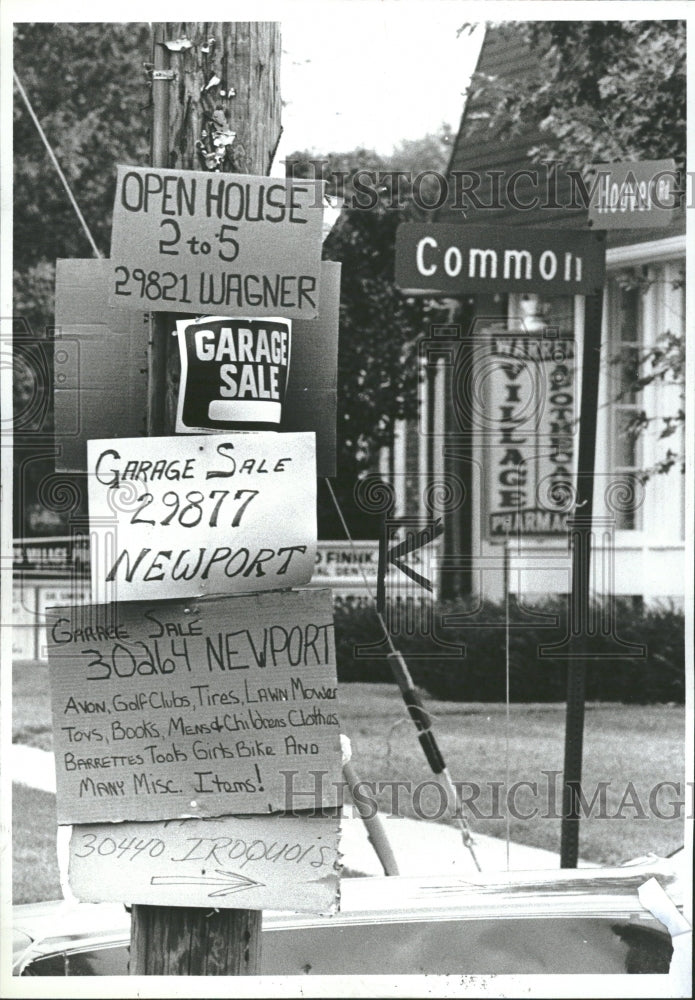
pixel 531 433
pixel 281 862
pixel 202 708
pixel 185 516
pixel 201 242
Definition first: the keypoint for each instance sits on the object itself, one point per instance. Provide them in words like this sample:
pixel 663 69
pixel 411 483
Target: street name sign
pixel 632 195
pixel 454 259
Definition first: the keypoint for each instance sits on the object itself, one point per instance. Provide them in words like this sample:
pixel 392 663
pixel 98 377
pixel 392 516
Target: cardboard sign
pixel 192 241
pixel 185 516
pixel 100 363
pixel 453 259
pixel 531 431
pixel 48 597
pixel 282 862
pixel 194 708
pixel 233 372
pixel 101 367
pixel 632 195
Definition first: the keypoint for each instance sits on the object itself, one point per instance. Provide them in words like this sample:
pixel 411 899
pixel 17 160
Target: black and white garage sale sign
pixel 233 372
pixel 194 708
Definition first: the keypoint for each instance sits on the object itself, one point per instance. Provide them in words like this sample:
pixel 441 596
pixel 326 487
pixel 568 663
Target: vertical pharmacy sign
pixel 531 400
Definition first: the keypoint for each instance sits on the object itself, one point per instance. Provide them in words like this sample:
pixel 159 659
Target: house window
pixel 675 321
pixel 625 350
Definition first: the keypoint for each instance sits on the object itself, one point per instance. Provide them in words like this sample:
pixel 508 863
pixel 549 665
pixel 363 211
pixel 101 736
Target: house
pixel 497 525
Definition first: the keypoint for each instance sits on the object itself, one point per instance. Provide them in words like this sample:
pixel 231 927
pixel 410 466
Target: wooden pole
pixel 194 941
pixel 159 156
pixel 230 70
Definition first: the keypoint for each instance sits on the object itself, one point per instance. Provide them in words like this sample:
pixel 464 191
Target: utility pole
pixel 209 80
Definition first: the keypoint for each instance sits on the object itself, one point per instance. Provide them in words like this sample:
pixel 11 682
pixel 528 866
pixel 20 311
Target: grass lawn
pixel 31 704
pixel 622 745
pixel 34 860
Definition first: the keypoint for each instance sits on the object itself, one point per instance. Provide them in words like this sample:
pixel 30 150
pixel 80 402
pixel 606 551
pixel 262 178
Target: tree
pixel 603 91
pixel 88 88
pixel 379 327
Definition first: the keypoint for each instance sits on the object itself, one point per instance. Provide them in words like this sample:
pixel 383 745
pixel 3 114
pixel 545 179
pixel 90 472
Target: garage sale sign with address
pixel 201 514
pixel 198 242
pixel 258 862
pixel 197 684
pixel 194 708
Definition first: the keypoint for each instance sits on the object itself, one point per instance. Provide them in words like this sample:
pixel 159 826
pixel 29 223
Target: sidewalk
pixel 419 848
pixel 33 767
pixel 422 848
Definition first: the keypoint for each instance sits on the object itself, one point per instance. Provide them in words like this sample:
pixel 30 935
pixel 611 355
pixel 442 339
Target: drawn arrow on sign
pixel 229 881
pixel 411 544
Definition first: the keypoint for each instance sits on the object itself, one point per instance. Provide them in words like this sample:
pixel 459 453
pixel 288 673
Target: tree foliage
pixel 379 327
pixel 87 86
pixel 604 91
pixel 664 364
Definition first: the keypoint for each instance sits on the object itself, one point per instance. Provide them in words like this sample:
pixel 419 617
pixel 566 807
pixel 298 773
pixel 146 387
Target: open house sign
pixel 192 241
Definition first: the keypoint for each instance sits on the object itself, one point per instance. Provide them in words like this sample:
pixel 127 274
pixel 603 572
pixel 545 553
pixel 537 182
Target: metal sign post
pixel 636 194
pixel 580 533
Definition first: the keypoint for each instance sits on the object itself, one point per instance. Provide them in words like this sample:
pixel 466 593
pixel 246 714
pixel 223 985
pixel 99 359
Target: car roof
pixel 64 925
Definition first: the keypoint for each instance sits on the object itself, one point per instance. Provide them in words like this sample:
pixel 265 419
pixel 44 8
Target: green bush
pixel 640 660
